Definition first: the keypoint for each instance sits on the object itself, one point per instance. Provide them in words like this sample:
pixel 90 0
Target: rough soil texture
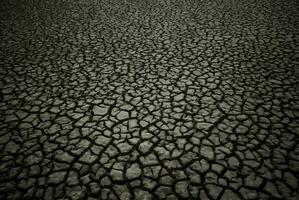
pixel 135 99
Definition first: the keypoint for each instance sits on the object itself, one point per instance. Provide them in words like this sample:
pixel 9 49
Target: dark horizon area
pixel 149 99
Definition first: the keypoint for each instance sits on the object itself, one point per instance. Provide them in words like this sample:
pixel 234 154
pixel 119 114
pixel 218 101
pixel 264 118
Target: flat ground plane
pixel 160 99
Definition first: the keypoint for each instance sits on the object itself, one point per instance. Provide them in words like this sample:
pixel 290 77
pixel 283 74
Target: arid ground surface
pixel 140 99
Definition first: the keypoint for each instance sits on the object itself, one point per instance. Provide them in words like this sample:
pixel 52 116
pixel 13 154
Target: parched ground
pixel 152 99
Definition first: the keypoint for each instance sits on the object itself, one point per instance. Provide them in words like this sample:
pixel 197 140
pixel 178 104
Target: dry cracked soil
pixel 140 99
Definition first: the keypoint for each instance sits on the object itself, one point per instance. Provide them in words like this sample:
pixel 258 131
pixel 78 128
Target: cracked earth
pixel 149 99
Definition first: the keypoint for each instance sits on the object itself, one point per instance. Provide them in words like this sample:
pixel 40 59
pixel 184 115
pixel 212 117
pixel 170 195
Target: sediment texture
pixel 149 99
